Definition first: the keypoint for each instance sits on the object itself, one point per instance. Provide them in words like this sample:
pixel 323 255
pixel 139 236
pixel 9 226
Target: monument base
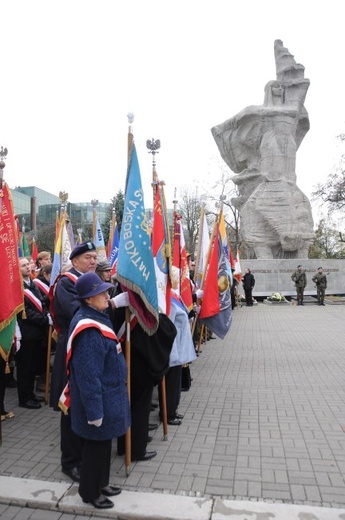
pixel 275 276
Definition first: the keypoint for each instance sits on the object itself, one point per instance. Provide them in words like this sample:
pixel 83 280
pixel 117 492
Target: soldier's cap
pixel 319 268
pixel 90 284
pixel 103 266
pixel 299 266
pixel 82 248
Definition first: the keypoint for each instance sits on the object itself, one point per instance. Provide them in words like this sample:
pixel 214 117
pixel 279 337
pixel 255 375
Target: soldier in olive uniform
pixel 300 279
pixel 320 280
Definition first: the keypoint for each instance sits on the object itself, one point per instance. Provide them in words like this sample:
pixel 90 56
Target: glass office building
pixel 36 208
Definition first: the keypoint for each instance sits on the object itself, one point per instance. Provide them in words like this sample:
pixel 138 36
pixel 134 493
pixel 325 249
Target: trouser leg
pixel 173 391
pixel 2 385
pixel 95 468
pixel 70 443
pixel 25 371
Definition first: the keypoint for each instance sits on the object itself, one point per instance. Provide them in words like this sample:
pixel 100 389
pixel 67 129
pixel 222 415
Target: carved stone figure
pixel 259 144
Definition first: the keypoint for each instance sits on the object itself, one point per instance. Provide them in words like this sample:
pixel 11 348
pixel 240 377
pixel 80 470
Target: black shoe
pixel 174 422
pixel 154 406
pixel 149 439
pixel 153 427
pixel 32 405
pixel 178 416
pixel 148 455
pixel 100 503
pixel 72 473
pixel 37 398
pixel 111 491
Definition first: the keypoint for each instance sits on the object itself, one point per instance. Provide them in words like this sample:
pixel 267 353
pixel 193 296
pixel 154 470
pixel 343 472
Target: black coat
pixel 248 281
pixel 33 324
pixel 65 306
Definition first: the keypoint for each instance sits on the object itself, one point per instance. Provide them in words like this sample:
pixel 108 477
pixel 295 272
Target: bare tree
pixel 332 192
pixel 225 192
pixel 189 205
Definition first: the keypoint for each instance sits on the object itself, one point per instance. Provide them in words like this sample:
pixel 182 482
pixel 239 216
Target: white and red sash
pixel 85 323
pixel 41 285
pixel 36 301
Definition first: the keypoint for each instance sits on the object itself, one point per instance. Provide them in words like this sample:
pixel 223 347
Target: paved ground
pixel 264 422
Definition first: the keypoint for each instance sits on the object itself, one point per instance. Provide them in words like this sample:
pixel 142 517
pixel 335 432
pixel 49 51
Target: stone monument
pixel 259 144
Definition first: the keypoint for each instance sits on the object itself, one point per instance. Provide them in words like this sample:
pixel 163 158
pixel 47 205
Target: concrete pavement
pixel 263 433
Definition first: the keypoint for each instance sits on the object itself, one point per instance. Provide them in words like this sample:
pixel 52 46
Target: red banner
pixel 10 279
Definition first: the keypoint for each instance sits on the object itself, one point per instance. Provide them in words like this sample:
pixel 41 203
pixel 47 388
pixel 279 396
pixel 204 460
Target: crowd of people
pixel 86 307
pixel 88 381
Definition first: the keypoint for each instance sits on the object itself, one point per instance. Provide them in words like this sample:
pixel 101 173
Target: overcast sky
pixel 71 71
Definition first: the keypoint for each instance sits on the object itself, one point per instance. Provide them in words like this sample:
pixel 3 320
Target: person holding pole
pixel 97 382
pixel 33 323
pixel 96 393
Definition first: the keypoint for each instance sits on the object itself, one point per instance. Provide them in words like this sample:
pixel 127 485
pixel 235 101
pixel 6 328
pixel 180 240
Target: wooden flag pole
pixel 153 147
pixel 128 436
pixel 49 348
pixel 197 261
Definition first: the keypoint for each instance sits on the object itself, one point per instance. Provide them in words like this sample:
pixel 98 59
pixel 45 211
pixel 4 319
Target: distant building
pixel 39 208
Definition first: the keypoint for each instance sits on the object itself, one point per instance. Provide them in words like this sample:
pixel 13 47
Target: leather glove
pixel 121 300
pixel 96 422
pixel 199 293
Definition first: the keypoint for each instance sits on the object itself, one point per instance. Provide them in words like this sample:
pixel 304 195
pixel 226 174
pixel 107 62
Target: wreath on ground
pixel 276 297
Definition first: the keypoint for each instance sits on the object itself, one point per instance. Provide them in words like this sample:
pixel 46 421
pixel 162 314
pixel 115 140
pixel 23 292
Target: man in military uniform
pixel 300 279
pixel 320 280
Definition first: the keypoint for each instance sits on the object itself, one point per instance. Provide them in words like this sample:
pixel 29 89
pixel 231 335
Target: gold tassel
pixel 7 368
pixel 23 315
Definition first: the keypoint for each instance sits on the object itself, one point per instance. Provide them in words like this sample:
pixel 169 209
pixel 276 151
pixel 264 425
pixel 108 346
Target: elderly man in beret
pixel 64 305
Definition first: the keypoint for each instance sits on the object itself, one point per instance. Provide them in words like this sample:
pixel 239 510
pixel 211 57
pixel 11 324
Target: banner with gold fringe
pixel 12 300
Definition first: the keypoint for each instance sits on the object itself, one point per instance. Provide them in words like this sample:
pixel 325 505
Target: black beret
pixel 82 248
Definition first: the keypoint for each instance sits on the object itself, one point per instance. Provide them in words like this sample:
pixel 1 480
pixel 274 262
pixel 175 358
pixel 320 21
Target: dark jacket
pixel 98 381
pixel 320 280
pixel 32 323
pixel 65 306
pixel 300 278
pixel 248 281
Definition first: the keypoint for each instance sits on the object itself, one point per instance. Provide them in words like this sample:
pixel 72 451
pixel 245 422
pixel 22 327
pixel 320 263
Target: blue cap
pixel 90 284
pixel 82 248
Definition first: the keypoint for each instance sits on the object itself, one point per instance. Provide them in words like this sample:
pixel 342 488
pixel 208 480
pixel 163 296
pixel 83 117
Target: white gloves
pixel 50 320
pixel 199 293
pixel 96 422
pixel 18 333
pixel 121 300
pixel 17 337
